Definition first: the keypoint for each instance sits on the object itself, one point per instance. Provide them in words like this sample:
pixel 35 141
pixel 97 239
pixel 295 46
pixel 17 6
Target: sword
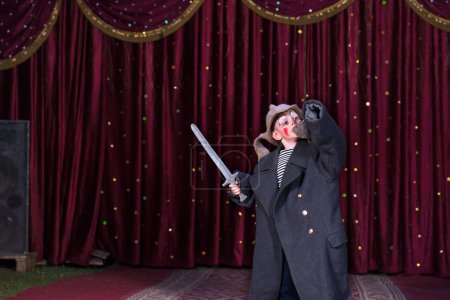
pixel 229 178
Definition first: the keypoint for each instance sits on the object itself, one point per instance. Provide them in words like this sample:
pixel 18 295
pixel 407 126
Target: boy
pixel 301 245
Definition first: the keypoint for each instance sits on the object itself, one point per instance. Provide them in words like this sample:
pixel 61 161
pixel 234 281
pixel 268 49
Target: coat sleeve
pixel 327 138
pixel 246 189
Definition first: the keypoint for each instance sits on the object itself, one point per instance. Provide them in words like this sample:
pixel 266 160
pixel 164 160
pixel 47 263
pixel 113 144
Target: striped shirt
pixel 283 159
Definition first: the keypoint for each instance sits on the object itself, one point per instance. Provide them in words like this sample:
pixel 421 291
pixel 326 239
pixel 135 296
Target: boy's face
pixel 283 126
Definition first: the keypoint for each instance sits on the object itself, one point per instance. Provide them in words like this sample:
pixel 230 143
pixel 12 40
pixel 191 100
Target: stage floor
pixel 132 283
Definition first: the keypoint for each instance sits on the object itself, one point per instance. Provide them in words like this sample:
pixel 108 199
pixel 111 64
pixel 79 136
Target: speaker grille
pixel 14 186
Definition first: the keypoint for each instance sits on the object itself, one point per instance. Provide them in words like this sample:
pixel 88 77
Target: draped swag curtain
pixel 24 26
pixel 435 12
pixel 297 12
pixel 139 21
pixel 113 163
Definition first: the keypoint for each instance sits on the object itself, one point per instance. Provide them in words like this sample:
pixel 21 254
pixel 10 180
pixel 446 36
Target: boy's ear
pixel 276 135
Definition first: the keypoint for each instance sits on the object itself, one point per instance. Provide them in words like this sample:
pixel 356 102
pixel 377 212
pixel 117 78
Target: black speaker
pixel 14 139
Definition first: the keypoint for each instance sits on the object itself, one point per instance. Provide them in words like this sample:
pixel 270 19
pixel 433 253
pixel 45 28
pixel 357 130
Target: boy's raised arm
pixel 326 136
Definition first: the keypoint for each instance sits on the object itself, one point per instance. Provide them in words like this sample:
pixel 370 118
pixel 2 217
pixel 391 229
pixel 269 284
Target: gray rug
pixel 228 283
pixel 373 287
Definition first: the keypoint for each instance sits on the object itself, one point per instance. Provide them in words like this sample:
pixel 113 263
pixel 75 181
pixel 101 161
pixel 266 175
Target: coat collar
pixel 299 157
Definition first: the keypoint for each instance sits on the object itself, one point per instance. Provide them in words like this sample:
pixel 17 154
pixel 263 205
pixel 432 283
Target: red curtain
pixel 114 164
pixel 59 91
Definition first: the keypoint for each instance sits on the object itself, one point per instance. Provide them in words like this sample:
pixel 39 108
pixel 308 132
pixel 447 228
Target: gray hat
pixel 274 111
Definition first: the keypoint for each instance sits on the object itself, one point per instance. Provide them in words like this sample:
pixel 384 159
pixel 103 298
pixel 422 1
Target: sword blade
pixel 215 158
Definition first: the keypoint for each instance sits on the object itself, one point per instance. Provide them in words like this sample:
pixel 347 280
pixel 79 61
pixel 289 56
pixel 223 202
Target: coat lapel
pixel 264 182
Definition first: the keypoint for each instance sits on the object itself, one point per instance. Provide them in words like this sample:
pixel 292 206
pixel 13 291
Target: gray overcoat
pixel 301 217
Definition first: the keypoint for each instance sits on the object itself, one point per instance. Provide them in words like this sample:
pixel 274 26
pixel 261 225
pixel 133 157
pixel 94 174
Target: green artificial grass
pixel 12 282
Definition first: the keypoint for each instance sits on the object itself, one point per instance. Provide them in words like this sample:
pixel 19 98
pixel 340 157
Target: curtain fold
pixel 23 29
pixel 115 166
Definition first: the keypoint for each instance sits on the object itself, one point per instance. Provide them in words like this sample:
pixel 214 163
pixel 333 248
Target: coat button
pixel 304 212
pixel 311 231
pixel 299 195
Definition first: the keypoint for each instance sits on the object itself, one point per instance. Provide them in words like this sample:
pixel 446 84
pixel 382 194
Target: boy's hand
pixel 235 189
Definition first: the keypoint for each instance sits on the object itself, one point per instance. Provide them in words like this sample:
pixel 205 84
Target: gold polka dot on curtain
pixel 440 21
pixel 105 22
pixel 308 16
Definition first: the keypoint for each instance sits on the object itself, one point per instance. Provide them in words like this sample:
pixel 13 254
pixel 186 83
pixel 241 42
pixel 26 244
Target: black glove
pixel 314 111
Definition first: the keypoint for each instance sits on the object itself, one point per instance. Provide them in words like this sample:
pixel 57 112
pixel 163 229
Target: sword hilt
pixel 233 178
